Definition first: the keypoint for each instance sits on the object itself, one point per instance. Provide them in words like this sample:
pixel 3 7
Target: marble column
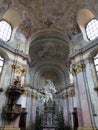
pixel 83 108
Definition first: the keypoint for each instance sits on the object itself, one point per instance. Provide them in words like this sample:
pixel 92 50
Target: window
pixel 96 63
pixel 88 24
pixel 5 30
pixel 92 29
pixel 1 64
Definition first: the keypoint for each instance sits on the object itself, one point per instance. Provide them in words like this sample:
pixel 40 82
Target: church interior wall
pixel 48 47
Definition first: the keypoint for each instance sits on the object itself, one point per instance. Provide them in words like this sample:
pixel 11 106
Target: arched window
pixel 92 29
pixel 88 24
pixel 5 30
pixel 1 64
pixel 96 63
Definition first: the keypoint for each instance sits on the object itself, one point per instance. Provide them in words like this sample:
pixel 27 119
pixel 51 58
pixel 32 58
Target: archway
pixel 49 59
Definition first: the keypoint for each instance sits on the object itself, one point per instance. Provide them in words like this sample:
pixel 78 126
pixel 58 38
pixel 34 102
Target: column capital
pixel 77 69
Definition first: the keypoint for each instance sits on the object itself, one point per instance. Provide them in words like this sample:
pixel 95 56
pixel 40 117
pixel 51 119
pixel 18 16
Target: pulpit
pixel 12 111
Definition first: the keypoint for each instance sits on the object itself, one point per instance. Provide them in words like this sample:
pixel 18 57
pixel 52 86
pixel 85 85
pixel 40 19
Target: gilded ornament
pixel 18 69
pixel 78 69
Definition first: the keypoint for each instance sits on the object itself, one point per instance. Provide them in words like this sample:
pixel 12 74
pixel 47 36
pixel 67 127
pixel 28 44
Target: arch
pixel 84 16
pixel 47 50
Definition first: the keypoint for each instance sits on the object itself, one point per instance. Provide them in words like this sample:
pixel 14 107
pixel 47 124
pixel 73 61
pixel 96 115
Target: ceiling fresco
pixel 49 14
pixel 38 15
pixel 42 14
